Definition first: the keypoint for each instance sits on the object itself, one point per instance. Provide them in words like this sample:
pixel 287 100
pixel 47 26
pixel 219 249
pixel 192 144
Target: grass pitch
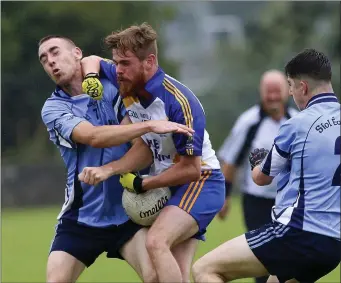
pixel 27 235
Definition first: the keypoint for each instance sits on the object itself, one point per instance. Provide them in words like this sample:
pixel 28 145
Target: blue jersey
pixel 306 154
pixel 169 100
pixel 100 205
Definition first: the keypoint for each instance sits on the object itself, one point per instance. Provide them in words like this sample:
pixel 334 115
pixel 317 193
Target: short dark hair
pixel 48 37
pixel 311 63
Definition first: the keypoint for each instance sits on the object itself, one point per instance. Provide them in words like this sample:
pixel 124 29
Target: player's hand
pixel 164 127
pixel 92 86
pixel 94 175
pixel 256 156
pixel 225 209
pixel 131 182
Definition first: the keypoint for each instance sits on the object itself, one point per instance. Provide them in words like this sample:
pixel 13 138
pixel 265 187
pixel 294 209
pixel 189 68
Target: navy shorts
pixel 202 199
pixel 87 243
pixel 292 253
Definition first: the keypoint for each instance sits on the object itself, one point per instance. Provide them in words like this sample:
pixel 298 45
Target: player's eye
pixel 125 63
pixel 43 60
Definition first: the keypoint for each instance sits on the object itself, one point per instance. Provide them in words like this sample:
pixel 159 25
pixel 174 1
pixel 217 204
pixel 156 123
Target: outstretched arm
pixel 113 135
pixel 137 158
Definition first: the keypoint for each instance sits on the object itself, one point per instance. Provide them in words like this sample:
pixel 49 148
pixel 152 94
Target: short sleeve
pixel 60 122
pixel 190 113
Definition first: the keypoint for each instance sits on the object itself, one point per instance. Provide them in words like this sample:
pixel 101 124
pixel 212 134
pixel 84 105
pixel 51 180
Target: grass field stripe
pixel 193 190
pixel 199 190
pixel 182 100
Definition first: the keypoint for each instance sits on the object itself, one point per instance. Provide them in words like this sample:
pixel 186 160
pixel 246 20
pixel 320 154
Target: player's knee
pixel 155 243
pixel 202 272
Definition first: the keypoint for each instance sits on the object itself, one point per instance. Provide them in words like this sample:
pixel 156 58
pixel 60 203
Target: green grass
pixel 27 235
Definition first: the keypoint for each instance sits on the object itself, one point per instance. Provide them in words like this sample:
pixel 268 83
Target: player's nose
pixel 51 61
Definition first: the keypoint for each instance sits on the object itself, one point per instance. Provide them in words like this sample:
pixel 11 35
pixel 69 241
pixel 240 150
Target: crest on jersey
pixel 189 146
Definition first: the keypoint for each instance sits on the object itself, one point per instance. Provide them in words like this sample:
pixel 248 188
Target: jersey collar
pixel 322 97
pixel 61 93
pixel 155 83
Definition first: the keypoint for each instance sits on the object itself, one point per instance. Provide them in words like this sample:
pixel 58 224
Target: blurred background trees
pixel 219 49
pixel 25 86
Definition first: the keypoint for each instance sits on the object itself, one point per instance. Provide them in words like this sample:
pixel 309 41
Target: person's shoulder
pixel 297 122
pixel 181 96
pixel 56 102
pixel 250 116
pixel 177 88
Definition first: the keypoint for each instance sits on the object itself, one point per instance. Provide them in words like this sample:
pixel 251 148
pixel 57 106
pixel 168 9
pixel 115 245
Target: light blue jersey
pixel 306 154
pixel 98 206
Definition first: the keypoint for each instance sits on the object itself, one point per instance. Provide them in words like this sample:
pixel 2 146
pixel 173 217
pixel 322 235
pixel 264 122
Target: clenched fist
pixel 94 175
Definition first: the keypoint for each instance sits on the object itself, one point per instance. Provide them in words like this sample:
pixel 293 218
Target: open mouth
pixel 56 71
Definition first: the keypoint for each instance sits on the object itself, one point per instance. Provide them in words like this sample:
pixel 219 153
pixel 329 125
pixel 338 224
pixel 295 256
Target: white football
pixel 144 208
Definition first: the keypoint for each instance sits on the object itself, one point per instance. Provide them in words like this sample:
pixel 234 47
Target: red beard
pixel 129 88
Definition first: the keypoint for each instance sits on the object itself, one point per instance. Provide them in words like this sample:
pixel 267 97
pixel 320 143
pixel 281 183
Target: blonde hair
pixel 138 39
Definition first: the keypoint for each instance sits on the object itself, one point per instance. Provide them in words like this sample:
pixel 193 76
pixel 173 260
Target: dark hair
pixel 46 38
pixel 311 63
pixel 139 39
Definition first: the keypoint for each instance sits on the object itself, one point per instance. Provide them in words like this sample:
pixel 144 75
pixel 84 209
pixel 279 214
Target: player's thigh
pixel 191 208
pixel 135 254
pixel 63 267
pixel 172 226
pixel 184 254
pixel 233 259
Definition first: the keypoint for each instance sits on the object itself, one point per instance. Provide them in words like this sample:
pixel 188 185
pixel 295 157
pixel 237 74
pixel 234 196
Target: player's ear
pixel 304 86
pixel 150 61
pixel 78 53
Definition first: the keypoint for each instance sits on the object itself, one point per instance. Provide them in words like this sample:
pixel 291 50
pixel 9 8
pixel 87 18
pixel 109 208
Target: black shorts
pixel 292 253
pixel 87 243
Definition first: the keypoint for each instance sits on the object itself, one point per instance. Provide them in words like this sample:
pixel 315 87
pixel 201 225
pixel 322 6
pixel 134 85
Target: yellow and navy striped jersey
pixel 173 101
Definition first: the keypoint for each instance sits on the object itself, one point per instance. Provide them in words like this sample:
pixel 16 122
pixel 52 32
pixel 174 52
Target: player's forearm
pixel 107 136
pixel 137 158
pixel 91 64
pixel 229 171
pixel 178 174
pixel 260 178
